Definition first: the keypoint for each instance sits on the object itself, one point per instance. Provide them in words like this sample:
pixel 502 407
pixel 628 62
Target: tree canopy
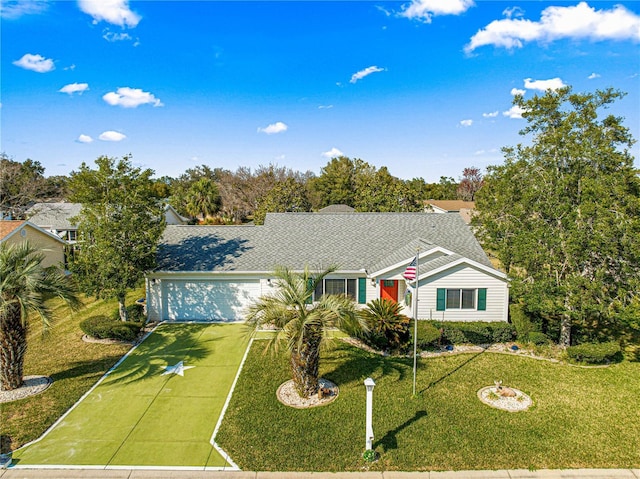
pixel 119 226
pixel 563 215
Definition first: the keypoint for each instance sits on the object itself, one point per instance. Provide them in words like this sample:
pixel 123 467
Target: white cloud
pixel 517 91
pixel 116 12
pixel 13 10
pixel 513 12
pixel 131 98
pixel 116 37
pixel 112 136
pixel 36 63
pixel 277 127
pixel 576 22
pixel 514 112
pixel 332 153
pixel 363 73
pixel 543 85
pixel 424 10
pixel 72 88
pixel 593 76
pixel 466 122
pixel 85 139
pixel 492 114
pixel 325 107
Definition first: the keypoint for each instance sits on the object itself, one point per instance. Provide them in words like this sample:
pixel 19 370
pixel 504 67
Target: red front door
pixel 389 289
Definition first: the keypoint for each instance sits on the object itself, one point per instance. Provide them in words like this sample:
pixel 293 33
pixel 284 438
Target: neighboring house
pixel 56 218
pixel 172 217
pixel 215 272
pixel 15 232
pixel 466 209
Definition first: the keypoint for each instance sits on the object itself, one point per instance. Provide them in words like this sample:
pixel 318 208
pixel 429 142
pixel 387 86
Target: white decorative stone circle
pixel 491 396
pixel 288 395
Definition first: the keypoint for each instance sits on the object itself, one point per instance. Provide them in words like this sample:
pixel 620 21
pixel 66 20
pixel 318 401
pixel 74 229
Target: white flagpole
pixel 415 321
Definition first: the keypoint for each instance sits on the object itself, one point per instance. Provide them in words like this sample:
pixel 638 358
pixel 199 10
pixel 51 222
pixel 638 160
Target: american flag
pixel 410 273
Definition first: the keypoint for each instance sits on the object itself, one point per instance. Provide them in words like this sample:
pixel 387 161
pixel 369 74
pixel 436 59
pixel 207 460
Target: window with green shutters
pixel 461 298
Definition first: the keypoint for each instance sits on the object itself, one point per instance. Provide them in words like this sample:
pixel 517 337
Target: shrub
pixel 474 332
pixel 135 313
pixel 388 327
pixel 537 338
pixel 595 353
pixel 428 335
pixel 520 320
pixel 103 327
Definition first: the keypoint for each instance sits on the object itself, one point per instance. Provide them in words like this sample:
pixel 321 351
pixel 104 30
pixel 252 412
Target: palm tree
pixel 302 324
pixel 24 286
pixel 203 198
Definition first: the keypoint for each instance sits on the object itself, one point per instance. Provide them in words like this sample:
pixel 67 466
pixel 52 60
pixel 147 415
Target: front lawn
pixel 581 418
pixel 73 364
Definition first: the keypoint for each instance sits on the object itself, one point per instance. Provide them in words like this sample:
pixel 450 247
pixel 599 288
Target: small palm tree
pixel 24 286
pixel 302 324
pixel 388 327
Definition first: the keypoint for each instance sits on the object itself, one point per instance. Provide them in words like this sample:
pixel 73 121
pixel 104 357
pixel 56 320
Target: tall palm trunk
pixel 13 346
pixel 305 362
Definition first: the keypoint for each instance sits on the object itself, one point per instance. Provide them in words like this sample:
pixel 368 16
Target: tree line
pixel 220 196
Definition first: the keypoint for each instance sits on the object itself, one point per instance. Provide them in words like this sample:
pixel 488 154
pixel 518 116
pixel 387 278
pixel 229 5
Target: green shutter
pixel 362 290
pixel 482 299
pixel 309 300
pixel 441 299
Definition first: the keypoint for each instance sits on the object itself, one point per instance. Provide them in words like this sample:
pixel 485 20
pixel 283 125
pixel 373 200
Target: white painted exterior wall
pixel 229 295
pixel 465 277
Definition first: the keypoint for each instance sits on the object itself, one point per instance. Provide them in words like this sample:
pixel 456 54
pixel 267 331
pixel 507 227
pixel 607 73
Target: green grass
pixel 73 365
pixel 582 417
pixel 140 416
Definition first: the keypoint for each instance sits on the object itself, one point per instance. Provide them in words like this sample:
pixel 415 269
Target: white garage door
pixel 198 300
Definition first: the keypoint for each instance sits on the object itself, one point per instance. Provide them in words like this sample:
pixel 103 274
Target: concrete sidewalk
pixel 174 474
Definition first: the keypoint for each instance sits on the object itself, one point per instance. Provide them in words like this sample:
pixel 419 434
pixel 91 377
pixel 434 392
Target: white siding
pixel 465 277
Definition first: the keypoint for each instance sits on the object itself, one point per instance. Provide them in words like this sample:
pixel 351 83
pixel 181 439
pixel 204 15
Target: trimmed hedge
pixel 475 332
pixel 428 335
pixel 104 327
pixel 537 338
pixel 595 353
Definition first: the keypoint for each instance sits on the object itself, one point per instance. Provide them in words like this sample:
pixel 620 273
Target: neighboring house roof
pixel 9 228
pixel 336 209
pixel 172 217
pixel 353 241
pixel 466 209
pixel 54 216
pixel 452 206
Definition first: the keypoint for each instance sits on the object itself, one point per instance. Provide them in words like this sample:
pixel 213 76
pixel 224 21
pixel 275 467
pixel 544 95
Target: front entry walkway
pixel 157 408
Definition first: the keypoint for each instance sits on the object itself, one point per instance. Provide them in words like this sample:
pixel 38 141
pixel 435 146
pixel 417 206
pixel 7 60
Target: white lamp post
pixel 369 384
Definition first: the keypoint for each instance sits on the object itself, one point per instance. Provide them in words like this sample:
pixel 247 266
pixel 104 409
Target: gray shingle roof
pixel 54 215
pixel 353 241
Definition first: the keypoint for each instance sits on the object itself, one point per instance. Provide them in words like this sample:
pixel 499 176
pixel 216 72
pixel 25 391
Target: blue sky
pixel 423 87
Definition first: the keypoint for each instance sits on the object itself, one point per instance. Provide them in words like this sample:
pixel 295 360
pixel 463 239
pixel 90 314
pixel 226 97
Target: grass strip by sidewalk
pixel 139 416
pixel 581 418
